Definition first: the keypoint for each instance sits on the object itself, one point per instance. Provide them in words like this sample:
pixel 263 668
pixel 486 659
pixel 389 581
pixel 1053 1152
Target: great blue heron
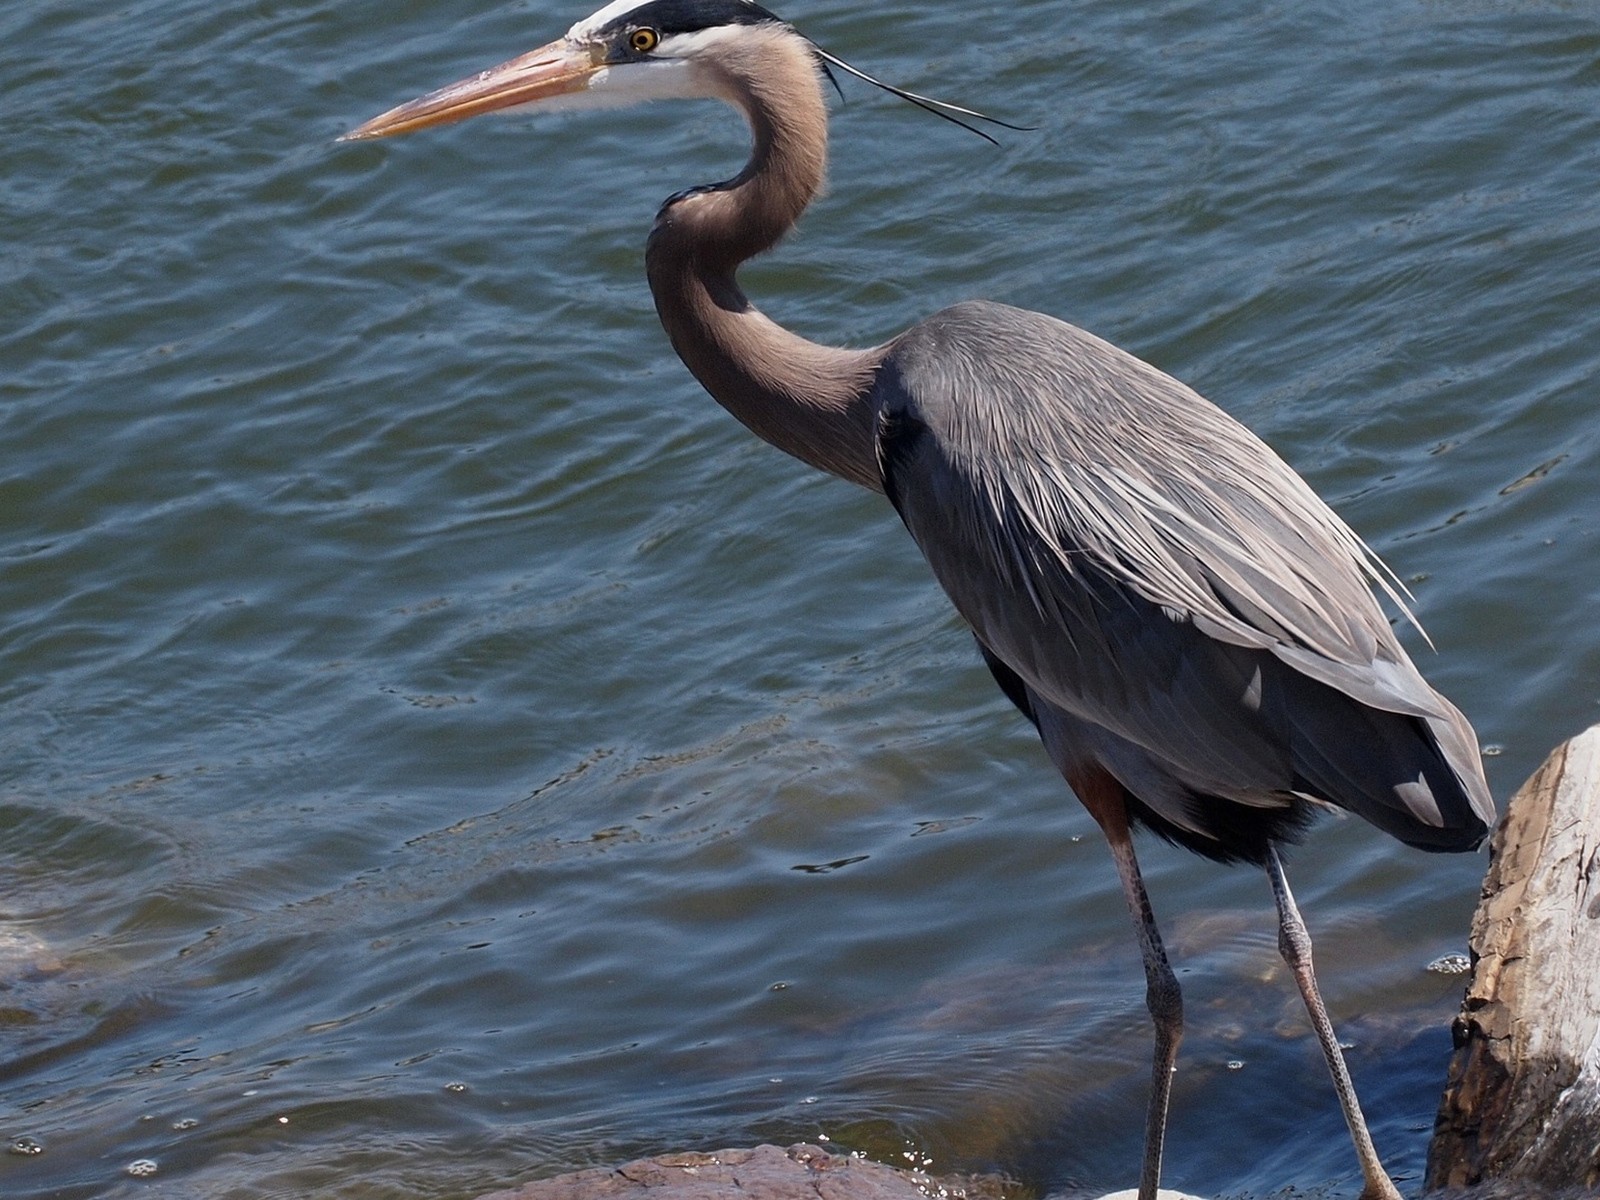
pixel 1192 631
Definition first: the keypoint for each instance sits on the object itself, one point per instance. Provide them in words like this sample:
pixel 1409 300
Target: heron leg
pixel 1294 943
pixel 1102 795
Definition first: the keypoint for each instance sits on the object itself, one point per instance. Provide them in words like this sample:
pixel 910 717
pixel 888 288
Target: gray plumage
pixel 1173 598
pixel 1191 629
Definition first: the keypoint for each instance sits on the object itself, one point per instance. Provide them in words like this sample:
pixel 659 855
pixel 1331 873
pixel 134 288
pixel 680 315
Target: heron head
pixel 634 50
pixel 627 52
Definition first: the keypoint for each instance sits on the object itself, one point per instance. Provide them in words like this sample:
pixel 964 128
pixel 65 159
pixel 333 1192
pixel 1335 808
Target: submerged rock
pixel 765 1173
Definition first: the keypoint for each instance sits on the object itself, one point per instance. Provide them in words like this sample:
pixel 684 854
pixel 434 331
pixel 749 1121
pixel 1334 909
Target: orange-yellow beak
pixel 558 69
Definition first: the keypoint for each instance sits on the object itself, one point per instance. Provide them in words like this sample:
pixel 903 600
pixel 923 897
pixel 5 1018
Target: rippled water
pixel 441 748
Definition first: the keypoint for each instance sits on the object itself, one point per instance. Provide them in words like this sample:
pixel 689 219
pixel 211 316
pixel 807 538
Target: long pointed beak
pixel 554 70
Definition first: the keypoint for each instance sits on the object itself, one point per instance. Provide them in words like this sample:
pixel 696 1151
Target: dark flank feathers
pixel 1160 594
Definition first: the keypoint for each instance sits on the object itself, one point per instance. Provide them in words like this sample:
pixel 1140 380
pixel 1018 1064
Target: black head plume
pixel 939 108
pixel 691 16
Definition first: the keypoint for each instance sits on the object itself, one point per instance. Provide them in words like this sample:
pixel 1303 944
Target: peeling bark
pixel 1522 1104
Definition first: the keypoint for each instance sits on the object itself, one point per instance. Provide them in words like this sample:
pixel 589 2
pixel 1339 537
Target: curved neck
pixel 809 400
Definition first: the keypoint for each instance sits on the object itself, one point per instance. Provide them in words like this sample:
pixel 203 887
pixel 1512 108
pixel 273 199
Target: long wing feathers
pixel 1151 569
pixel 1101 457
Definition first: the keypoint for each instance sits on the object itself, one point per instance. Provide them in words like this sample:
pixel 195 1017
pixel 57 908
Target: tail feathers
pixel 1458 744
pixel 1419 779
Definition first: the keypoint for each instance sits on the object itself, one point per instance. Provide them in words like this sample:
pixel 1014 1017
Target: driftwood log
pixel 1521 1108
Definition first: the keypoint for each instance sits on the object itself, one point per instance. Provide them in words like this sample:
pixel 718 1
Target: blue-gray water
pixel 438 747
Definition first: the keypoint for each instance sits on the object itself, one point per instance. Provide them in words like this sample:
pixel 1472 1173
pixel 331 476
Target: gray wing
pixel 1150 569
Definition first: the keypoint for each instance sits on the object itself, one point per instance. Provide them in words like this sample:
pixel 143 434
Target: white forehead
pixel 595 22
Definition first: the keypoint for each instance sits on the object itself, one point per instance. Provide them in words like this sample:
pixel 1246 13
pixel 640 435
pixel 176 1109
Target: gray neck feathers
pixel 811 401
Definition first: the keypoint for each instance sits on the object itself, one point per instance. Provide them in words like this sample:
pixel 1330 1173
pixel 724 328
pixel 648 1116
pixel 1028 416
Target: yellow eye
pixel 644 40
